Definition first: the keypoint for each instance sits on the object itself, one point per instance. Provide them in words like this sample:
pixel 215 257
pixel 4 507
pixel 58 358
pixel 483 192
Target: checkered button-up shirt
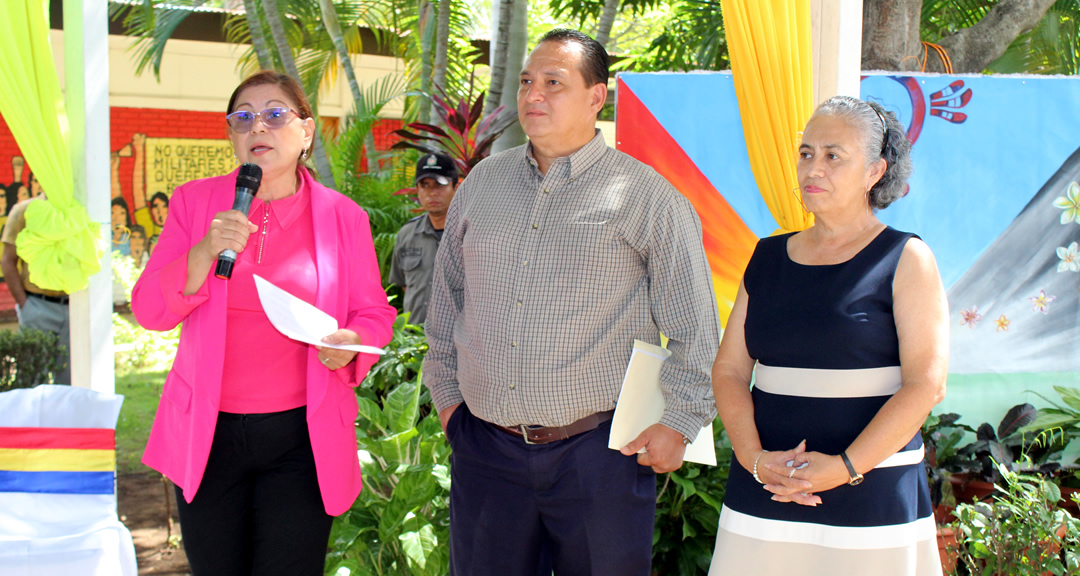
pixel 543 282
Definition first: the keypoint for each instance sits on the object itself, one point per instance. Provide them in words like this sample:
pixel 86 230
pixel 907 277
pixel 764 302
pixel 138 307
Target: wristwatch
pixel 856 478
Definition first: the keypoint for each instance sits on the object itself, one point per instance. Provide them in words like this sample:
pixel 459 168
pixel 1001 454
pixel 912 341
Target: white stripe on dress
pixel 817 383
pixel 842 537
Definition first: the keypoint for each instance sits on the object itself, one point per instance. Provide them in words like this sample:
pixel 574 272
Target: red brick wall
pixel 154 123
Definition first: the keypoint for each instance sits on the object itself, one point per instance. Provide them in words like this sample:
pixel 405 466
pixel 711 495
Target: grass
pixel 141 392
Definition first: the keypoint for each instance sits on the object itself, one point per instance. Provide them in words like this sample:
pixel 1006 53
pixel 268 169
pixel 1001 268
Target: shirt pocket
pixel 411 262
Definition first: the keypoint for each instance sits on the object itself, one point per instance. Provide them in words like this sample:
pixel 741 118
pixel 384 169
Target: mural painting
pixel 140 205
pixel 996 195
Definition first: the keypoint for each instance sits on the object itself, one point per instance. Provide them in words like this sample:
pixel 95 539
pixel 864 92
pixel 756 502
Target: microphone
pixel 247 184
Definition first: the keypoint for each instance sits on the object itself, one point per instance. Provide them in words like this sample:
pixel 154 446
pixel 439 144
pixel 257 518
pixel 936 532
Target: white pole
pixel 837 46
pixel 86 96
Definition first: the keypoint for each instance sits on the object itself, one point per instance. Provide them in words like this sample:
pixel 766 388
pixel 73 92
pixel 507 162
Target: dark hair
pixel 123 204
pixel 890 144
pixel 137 228
pixel 11 193
pixel 30 179
pixel 160 196
pixel 594 58
pixel 288 85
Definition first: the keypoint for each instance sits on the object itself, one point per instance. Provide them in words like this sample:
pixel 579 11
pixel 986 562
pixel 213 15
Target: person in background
pixel 843 329
pixel 36 307
pixel 418 240
pixel 257 430
pixel 557 255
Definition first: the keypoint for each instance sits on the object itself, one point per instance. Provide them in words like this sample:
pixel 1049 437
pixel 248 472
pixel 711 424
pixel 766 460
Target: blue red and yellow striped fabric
pixel 57 460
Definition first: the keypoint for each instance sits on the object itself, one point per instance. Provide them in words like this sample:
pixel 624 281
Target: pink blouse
pixel 266 371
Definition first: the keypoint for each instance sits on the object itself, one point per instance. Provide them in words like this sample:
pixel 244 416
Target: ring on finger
pixel 792 474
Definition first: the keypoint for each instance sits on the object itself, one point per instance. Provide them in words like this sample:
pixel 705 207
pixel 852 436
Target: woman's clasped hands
pixel 798 476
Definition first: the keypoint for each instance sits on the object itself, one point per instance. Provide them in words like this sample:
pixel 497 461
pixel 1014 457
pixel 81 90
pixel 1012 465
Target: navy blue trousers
pixel 258 510
pixel 574 506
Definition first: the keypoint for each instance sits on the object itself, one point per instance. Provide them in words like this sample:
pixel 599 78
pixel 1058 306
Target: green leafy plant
pixel 688 503
pixel 1021 531
pixel 400 522
pixel 942 437
pixel 28 357
pixel 138 349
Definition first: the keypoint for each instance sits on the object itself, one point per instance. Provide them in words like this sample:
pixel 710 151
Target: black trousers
pixel 574 506
pixel 258 510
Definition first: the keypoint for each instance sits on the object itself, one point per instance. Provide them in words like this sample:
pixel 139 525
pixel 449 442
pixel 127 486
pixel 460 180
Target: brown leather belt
pixel 548 434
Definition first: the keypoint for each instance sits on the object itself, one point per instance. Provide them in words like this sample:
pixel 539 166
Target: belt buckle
pixel 525 433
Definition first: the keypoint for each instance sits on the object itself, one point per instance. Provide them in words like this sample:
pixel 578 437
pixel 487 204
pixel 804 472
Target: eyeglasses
pixel 242 121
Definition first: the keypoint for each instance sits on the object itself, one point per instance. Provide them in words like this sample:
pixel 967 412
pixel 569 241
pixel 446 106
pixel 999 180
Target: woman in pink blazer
pixel 257 430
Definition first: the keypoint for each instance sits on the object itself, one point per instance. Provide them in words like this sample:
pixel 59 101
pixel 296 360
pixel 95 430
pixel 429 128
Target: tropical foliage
pixel 467 139
pixel 400 523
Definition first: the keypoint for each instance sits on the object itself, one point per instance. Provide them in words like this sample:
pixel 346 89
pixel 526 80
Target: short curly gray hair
pixel 867 119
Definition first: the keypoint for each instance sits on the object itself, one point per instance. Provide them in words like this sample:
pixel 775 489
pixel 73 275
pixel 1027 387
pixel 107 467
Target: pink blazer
pixel 349 289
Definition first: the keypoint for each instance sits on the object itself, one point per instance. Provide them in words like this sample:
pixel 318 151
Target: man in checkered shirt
pixel 557 255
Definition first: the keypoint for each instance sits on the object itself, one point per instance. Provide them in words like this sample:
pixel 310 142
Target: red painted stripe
pixel 729 243
pixel 72 438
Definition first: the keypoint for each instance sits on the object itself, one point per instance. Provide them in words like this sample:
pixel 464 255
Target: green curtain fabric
pixel 61 245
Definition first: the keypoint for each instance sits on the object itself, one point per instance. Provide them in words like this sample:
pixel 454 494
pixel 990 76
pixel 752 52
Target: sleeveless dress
pixel 828 359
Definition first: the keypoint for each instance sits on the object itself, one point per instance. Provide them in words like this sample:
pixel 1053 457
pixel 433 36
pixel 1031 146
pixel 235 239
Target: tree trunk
pixel 427 40
pixel 607 20
pixel 973 49
pixel 333 28
pixel 442 48
pixel 499 55
pixel 258 39
pixel 891 38
pixel 517 42
pixel 277 29
pixel 891 35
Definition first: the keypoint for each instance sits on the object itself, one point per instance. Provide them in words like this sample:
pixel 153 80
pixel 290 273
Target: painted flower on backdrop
pixel 1070 203
pixel 1002 323
pixel 970 317
pixel 1041 302
pixel 1070 258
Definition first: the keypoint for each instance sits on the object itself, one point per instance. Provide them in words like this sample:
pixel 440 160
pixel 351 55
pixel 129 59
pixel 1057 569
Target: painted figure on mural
pixel 121 226
pixel 151 243
pixel 35 187
pixel 159 209
pixel 137 244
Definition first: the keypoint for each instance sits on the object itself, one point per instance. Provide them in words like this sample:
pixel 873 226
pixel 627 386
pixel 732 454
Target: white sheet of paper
pixel 641 404
pixel 299 320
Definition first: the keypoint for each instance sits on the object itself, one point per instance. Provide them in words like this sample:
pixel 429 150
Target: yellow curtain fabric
pixel 770 49
pixel 60 244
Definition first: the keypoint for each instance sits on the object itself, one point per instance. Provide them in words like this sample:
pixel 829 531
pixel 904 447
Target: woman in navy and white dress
pixel 843 329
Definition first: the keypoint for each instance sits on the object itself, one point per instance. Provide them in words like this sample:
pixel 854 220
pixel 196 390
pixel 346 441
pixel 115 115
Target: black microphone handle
pixel 227 259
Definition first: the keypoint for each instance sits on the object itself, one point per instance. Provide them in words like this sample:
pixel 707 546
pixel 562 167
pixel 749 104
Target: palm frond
pixel 152 23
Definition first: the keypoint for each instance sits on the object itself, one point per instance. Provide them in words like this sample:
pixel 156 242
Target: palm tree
pixel 258 39
pixel 499 55
pixel 607 20
pixel 277 30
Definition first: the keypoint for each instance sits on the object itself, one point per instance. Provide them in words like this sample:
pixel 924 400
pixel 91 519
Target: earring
pixel 235 160
pixel 304 155
pixel 795 193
